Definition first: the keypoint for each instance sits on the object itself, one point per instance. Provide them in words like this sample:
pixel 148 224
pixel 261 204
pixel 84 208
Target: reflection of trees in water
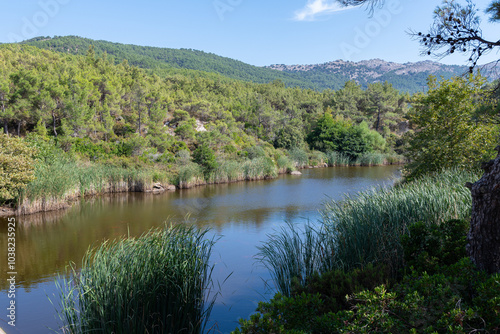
pixel 46 242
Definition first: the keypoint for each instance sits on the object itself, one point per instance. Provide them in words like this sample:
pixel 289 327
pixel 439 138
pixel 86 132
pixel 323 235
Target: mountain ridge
pixel 409 76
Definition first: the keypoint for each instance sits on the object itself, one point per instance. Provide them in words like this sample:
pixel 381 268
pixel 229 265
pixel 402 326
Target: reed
pixel 372 159
pixel 294 254
pixel 298 157
pixel 284 164
pixel 392 159
pixel 227 171
pixel 157 283
pixel 366 228
pixel 259 169
pixel 63 179
pixel 337 159
pixel 190 175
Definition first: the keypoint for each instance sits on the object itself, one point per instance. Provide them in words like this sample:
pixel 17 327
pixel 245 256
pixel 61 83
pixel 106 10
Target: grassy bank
pixel 64 180
pixel 386 261
pixel 157 283
pixel 60 178
pixel 366 228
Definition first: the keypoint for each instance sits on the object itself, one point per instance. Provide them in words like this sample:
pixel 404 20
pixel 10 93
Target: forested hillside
pixel 170 61
pixel 333 75
pixel 178 129
pixel 89 96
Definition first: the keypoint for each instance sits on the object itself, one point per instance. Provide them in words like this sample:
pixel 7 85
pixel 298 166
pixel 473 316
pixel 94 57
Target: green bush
pixel 289 137
pixel 205 157
pixel 17 168
pixel 427 247
pixel 291 315
pixel 334 286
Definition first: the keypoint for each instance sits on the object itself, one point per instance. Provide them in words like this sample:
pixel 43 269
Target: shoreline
pixel 67 201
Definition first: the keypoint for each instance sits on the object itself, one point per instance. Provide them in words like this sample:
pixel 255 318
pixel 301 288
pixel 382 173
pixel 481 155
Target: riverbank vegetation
pixel 394 260
pixel 387 261
pixel 157 283
pixel 99 127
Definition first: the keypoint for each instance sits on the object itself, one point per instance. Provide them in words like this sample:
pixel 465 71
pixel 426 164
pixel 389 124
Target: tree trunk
pixel 54 123
pixel 378 120
pixel 484 236
pixel 19 129
pixel 5 121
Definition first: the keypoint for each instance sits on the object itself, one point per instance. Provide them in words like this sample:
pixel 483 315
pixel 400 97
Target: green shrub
pixel 289 137
pixel 255 152
pixel 334 286
pixel 205 157
pixel 291 315
pixel 429 246
pixel 17 168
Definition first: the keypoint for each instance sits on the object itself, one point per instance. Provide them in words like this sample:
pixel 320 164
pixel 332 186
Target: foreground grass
pixel 387 261
pixel 157 283
pixel 365 229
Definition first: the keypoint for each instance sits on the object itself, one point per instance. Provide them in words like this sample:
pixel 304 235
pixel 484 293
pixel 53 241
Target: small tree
pixel 205 157
pixel 16 167
pixel 340 135
pixel 450 133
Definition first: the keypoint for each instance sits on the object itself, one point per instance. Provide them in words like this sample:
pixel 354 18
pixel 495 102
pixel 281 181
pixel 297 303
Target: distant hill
pixel 409 77
pixel 166 60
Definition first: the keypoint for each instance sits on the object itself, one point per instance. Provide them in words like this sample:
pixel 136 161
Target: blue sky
pixel 257 32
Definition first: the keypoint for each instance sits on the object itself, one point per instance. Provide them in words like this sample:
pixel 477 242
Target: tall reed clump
pixel 298 157
pixel 372 159
pixel 260 168
pixel 367 228
pixel 227 171
pixel 190 175
pixel 62 179
pixel 284 164
pixel 337 159
pixel 157 283
pixel 53 180
pixel 392 159
pixel 294 254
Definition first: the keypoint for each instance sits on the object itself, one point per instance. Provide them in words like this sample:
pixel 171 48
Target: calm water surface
pixel 240 213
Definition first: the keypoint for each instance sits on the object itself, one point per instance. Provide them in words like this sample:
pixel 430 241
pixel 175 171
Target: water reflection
pixel 242 213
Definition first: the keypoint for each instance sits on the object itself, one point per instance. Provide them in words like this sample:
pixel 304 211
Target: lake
pixel 241 214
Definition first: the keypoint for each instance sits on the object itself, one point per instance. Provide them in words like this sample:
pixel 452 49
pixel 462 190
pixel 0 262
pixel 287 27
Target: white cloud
pixel 315 8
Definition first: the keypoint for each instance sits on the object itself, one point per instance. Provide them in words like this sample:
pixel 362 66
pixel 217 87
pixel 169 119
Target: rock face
pixel 484 235
pixel 158 188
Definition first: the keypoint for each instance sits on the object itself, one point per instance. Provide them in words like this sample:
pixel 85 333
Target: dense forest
pixel 166 61
pixel 118 114
pixel 91 97
pixel 114 122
